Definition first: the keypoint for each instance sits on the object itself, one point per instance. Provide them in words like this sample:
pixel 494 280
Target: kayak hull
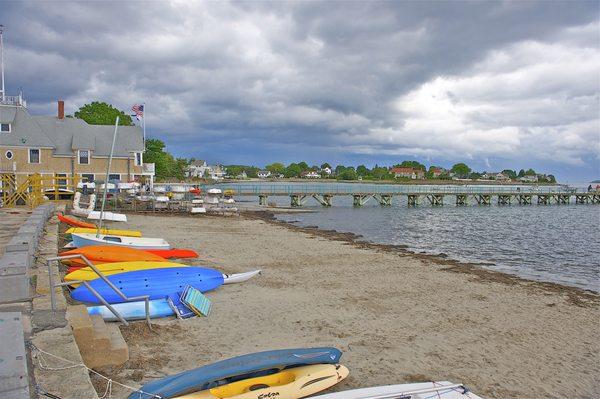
pixel 124 233
pixel 405 391
pixel 235 369
pixel 85 239
pixel 297 382
pixel 75 222
pixel 155 283
pixel 109 269
pixel 109 254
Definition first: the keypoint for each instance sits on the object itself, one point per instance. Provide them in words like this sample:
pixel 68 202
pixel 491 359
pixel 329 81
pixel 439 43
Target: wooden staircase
pixel 100 344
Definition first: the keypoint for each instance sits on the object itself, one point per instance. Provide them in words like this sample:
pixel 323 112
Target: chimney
pixel 61 109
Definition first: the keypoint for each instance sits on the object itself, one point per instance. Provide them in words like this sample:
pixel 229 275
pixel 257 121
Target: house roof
pixel 197 162
pixel 68 134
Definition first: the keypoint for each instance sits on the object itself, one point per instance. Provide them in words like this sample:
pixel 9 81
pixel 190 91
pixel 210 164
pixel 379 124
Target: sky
pixel 507 84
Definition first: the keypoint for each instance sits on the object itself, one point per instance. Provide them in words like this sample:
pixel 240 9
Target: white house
pixel 264 174
pixel 199 168
pixel 529 178
pixel 310 174
pixel 327 170
pixel 502 177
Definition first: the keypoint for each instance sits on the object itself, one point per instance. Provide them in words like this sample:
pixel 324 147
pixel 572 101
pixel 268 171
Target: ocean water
pixel 556 243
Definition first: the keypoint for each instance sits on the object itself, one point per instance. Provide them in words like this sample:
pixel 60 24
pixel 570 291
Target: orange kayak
pixel 174 253
pixel 75 222
pixel 99 254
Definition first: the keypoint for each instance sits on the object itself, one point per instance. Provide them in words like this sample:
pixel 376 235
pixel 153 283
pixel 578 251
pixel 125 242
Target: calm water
pixel 549 243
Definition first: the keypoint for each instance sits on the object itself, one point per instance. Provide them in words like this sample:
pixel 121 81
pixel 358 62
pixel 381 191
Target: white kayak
pixel 158 307
pixel 81 240
pixel 115 217
pixel 421 390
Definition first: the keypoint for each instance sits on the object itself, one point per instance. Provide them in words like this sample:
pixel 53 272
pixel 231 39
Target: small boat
pixel 421 390
pixel 125 233
pixel 75 222
pixel 195 191
pixel 297 382
pixel 235 369
pixel 155 283
pixel 85 239
pixel 108 269
pixel 163 307
pixel 173 253
pixel 99 254
pixel 112 216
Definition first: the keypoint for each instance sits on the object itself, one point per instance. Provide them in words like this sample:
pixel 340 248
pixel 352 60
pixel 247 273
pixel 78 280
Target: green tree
pixel 339 169
pixel 380 173
pixel 510 173
pixel 461 170
pixel 325 165
pixel 276 168
pixel 292 170
pixel 411 164
pixel 347 174
pixel 551 179
pixel 361 170
pixel 165 165
pixel 303 166
pixel 530 172
pixel 521 173
pixel 98 113
pixel 475 176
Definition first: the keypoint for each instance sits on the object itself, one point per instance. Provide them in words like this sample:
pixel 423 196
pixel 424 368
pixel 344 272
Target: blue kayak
pixel 157 283
pixel 235 369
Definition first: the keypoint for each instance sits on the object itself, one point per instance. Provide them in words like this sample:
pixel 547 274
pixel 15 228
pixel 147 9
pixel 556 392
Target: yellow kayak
pixel 294 383
pixel 114 232
pixel 87 274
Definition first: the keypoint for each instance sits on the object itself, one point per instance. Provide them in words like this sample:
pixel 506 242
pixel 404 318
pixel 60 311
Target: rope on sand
pixel 40 355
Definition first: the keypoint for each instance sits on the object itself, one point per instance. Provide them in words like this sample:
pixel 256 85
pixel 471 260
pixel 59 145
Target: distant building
pixel 264 174
pixel 199 168
pixel 327 170
pixel 310 174
pixel 410 173
pixel 502 177
pixel 529 178
pixel 437 172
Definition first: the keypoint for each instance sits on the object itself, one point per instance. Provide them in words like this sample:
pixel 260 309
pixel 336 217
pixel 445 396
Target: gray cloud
pixel 361 80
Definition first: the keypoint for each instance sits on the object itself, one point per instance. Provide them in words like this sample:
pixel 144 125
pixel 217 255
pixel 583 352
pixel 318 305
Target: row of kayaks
pixel 135 272
pixel 285 374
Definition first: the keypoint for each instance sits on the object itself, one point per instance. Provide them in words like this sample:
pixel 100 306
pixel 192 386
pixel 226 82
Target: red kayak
pixel 174 253
pixel 75 222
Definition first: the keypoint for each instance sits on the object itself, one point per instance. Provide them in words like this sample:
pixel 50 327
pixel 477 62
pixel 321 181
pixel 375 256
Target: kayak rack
pixel 145 298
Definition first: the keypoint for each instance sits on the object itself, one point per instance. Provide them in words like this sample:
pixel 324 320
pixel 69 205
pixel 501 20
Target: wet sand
pixel 397 317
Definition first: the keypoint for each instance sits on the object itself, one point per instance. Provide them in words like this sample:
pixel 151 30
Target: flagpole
pixel 144 124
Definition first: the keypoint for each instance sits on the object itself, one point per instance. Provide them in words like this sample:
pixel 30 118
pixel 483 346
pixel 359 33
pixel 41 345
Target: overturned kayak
pixel 108 269
pixel 125 233
pixel 174 253
pixel 98 254
pixel 163 307
pixel 297 382
pixel 112 216
pixel 421 390
pixel 85 239
pixel 235 369
pixel 75 222
pixel 155 283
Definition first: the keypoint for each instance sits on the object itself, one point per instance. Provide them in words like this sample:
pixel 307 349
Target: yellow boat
pixel 87 274
pixel 114 232
pixel 294 383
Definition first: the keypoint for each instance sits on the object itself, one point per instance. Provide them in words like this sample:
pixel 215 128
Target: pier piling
pixel 263 200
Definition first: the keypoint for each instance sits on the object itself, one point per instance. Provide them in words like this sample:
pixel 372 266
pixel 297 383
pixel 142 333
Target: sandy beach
pixel 397 317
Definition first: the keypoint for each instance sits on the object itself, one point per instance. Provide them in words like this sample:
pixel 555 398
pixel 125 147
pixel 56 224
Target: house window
pixel 138 159
pixel 87 177
pixel 61 183
pixel 34 155
pixel 5 127
pixel 84 157
pixel 113 177
pixel 9 154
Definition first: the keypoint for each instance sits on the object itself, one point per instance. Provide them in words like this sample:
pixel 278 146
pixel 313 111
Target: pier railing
pixel 385 189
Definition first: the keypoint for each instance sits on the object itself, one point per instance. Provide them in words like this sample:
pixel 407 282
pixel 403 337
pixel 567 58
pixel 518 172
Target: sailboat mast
pixel 2 62
pixel 112 149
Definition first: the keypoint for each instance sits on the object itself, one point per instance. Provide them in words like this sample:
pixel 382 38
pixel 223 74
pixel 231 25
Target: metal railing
pixel 390 189
pixel 145 298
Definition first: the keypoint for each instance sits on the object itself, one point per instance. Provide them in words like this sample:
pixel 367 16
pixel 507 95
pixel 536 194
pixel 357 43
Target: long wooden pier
pixel 432 195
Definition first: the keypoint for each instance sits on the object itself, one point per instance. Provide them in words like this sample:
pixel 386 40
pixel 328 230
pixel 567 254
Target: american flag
pixel 138 109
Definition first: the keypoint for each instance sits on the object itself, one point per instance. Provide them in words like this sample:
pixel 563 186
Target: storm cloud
pixel 496 84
